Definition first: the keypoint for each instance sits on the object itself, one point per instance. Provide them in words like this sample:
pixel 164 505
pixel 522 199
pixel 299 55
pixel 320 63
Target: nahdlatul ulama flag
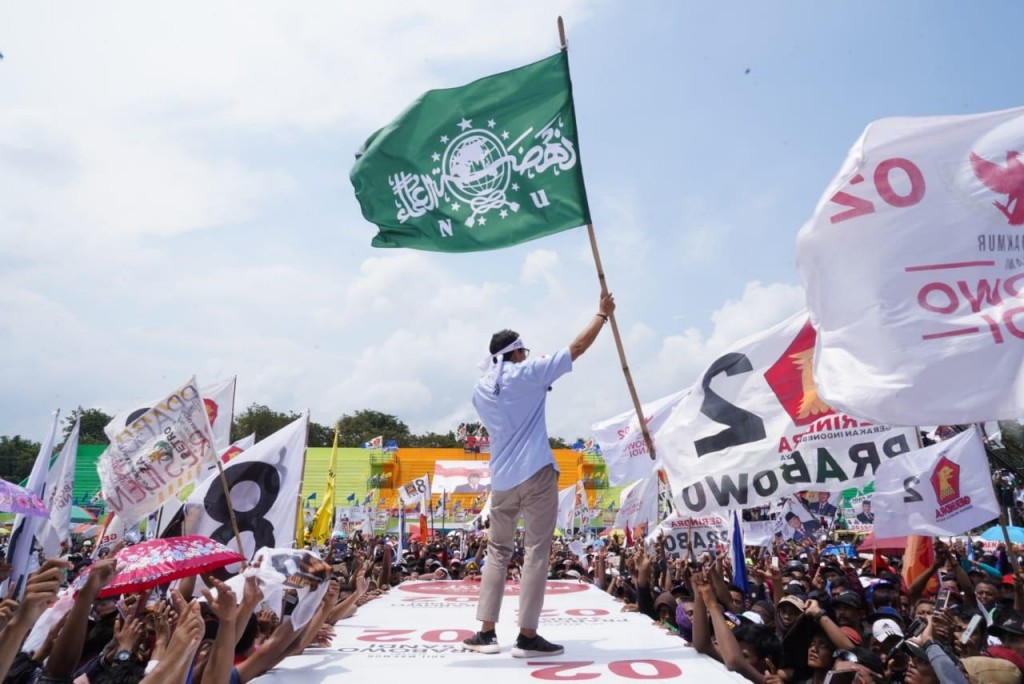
pixel 914 267
pixel 487 165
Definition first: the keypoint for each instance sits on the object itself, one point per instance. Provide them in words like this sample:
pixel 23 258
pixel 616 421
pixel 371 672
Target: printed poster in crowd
pixel 160 452
pixel 702 534
pixel 415 491
pixel 942 490
pixel 462 477
pixel 856 507
pixel 913 267
pixel 753 429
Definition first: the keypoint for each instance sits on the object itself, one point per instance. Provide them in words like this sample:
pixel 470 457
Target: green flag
pixel 487 165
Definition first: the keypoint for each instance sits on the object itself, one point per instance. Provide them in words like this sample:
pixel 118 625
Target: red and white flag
pixel 753 429
pixel 638 504
pixel 942 490
pixel 914 267
pixel 622 443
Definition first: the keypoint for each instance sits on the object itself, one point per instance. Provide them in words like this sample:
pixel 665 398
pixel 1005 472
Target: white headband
pixel 498 358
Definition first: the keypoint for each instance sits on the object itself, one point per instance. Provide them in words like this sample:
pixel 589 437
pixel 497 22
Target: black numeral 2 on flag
pixel 744 426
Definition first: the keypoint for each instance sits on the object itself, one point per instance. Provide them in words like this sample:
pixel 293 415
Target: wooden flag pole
pixel 611 318
pixel 231 506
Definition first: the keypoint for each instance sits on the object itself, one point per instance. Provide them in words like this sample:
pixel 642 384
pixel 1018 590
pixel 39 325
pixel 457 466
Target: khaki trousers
pixel 537 501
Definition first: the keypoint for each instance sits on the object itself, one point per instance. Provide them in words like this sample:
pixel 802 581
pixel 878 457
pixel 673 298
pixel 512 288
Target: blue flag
pixel 970 549
pixel 351 497
pixel 391 446
pixel 311 496
pixel 739 560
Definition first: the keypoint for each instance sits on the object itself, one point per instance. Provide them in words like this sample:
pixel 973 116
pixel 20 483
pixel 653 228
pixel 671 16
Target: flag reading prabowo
pixel 487 165
pixel 914 267
pixel 944 489
pixel 753 429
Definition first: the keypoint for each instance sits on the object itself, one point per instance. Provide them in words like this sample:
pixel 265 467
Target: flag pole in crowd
pixel 604 290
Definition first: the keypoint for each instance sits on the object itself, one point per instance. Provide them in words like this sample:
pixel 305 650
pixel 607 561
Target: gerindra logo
pixel 792 380
pixel 946 481
pixel 1006 180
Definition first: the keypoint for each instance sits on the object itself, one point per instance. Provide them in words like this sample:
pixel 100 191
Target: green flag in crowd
pixel 487 165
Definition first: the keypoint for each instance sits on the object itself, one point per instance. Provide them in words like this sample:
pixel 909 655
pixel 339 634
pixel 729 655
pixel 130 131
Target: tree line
pixel 18 454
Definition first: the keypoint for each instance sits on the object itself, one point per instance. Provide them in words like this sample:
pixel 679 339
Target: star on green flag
pixel 487 165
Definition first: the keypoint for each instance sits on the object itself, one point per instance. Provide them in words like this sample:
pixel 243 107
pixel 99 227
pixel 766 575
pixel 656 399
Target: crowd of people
pixel 805 616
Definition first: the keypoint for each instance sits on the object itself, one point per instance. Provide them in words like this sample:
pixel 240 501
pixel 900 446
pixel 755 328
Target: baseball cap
pixel 885 629
pixel 853 635
pixel 991 670
pixel 794 601
pixel 751 617
pixel 1011 625
pixel 849 598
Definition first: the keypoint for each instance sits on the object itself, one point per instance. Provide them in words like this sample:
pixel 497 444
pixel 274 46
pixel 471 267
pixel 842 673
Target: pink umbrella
pixel 15 499
pixel 158 561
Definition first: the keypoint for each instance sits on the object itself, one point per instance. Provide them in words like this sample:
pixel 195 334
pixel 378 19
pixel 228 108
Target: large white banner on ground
pixel 264 483
pixel 753 429
pixel 701 535
pixel 941 490
pixel 914 267
pixel 161 451
pixel 218 400
pixel 622 443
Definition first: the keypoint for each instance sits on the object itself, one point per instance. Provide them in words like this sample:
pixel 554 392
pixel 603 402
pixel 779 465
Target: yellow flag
pixel 325 514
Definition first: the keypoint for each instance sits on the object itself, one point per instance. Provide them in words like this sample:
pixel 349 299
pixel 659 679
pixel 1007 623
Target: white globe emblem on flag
pixel 478 169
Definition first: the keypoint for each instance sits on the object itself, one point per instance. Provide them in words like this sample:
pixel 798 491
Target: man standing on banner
pixel 510 398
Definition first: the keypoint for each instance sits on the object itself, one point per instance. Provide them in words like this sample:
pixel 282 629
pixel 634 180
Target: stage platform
pixel 414 633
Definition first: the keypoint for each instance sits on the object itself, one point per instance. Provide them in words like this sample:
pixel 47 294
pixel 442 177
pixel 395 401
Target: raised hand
pixel 224 605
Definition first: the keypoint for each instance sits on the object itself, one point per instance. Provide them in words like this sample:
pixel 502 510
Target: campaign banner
pixel 622 442
pixel 754 429
pixel 416 491
pixel 462 477
pixel 856 508
pixel 914 267
pixel 941 490
pixel 218 400
pixel 160 452
pixel 703 534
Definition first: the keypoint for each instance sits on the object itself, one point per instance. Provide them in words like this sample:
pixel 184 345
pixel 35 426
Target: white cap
pixel 884 629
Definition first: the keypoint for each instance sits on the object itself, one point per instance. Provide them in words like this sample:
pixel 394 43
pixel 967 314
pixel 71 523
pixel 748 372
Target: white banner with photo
pixel 942 490
pixel 914 268
pixel 160 452
pixel 416 491
pixel 622 443
pixel 462 477
pixel 753 429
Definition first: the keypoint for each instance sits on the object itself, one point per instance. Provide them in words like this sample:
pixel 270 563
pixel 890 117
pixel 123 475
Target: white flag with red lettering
pixel 622 443
pixel 914 267
pixel 942 490
pixel 638 504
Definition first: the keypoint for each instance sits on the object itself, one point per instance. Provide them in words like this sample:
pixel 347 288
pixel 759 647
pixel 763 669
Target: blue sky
pixel 174 194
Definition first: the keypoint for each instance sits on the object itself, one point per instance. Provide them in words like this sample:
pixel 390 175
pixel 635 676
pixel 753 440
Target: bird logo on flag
pixel 1004 180
pixel 792 380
